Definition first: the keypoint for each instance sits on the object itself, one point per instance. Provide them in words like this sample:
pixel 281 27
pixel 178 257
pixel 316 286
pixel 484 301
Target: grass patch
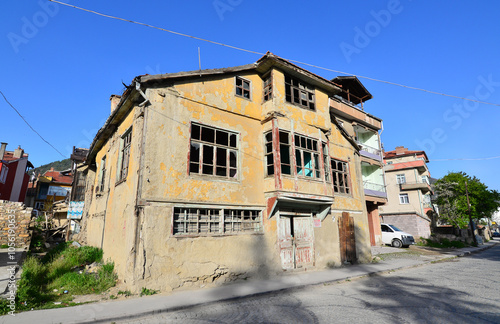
pixel 443 243
pixel 126 293
pixel 148 292
pixel 59 275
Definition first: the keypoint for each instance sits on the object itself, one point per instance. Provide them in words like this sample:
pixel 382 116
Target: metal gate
pixel 347 239
pixel 296 240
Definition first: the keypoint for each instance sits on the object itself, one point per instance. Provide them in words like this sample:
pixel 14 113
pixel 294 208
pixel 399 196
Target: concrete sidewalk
pixel 109 311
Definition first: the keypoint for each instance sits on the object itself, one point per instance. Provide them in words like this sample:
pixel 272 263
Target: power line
pixel 259 53
pixel 467 159
pixel 29 124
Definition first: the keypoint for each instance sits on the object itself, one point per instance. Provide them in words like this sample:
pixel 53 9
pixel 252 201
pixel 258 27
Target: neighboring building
pixel 209 176
pixel 409 191
pixel 77 197
pixel 14 178
pixel 347 108
pixel 52 186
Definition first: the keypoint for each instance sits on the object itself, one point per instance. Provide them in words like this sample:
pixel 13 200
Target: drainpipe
pixel 139 203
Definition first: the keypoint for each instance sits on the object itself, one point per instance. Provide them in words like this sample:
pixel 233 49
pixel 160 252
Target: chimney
pixel 401 150
pixel 115 99
pixel 18 152
pixel 2 150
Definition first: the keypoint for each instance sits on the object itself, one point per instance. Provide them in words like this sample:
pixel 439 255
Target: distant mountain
pixel 57 165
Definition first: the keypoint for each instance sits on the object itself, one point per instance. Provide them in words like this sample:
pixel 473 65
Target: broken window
pixel 213 151
pixel 299 93
pixel 242 88
pixel 123 159
pixel 269 155
pixel 268 87
pixel 340 176
pixel 238 221
pixel 325 161
pixel 102 175
pixel 196 221
pixel 285 150
pixel 307 157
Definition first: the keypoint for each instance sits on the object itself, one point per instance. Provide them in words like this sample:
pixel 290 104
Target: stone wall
pixel 16 216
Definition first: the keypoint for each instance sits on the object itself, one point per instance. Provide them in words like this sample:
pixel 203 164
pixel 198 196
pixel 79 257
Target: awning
pixel 320 205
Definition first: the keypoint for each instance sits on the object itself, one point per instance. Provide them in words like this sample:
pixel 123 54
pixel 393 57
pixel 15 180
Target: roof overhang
pixel 352 85
pixel 321 205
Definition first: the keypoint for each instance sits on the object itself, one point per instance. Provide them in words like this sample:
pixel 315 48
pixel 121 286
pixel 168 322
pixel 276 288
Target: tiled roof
pixel 392 154
pixel 9 156
pixel 58 177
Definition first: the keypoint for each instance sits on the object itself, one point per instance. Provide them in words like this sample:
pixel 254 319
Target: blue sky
pixel 60 65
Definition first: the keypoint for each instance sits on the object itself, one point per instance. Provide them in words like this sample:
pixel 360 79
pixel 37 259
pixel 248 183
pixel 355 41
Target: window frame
pixel 242 88
pixel 217 220
pixel 300 151
pixel 3 173
pixel 346 176
pixel 231 165
pixel 124 156
pixel 404 199
pixel 267 87
pixel 400 178
pixel 269 155
pixel 102 175
pixel 295 88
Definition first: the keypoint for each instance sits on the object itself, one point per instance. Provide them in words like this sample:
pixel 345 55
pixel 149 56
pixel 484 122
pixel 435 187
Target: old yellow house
pixel 210 176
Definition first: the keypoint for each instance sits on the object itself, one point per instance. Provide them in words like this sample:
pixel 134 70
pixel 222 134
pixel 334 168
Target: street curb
pixel 298 287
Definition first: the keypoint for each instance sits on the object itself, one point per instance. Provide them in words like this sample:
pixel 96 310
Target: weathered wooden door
pixel 296 241
pixel 347 238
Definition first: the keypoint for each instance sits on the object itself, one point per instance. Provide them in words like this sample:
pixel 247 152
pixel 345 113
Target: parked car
pixel 394 236
pixel 495 234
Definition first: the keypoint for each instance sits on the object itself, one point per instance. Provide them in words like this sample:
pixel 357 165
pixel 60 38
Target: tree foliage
pixel 452 199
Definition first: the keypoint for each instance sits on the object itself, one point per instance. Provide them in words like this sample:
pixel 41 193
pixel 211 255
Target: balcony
pixel 370 152
pixel 374 189
pixel 423 185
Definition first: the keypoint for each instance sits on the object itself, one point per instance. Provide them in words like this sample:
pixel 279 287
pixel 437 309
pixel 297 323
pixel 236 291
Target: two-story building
pixel 409 191
pixel 208 176
pixel 14 178
pixel 347 108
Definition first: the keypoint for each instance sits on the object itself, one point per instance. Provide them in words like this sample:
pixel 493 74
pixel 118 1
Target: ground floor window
pixel 202 221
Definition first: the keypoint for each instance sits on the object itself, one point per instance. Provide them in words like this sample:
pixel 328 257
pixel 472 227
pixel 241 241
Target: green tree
pixel 452 199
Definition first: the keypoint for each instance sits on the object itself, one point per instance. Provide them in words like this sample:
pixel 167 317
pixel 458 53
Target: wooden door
pixel 296 240
pixel 347 238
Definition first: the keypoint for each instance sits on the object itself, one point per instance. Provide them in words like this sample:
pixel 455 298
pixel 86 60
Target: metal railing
pixel 373 186
pixel 369 149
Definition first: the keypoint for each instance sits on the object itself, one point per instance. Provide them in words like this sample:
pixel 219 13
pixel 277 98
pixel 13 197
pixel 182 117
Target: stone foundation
pixel 15 221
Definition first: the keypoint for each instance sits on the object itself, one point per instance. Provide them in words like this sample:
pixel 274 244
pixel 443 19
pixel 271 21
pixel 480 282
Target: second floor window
pixel 307 157
pixel 3 174
pixel 213 151
pixel 340 176
pixel 268 88
pixel 102 175
pixel 124 157
pixel 242 88
pixel 299 93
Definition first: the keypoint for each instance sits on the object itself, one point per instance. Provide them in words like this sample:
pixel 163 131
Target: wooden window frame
pixel 124 158
pixel 241 88
pixel 269 153
pixel 102 175
pixel 305 145
pixel 295 90
pixel 200 160
pixel 267 87
pixel 344 175
pixel 192 221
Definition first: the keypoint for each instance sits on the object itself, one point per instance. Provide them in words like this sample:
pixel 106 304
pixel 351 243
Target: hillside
pixel 57 165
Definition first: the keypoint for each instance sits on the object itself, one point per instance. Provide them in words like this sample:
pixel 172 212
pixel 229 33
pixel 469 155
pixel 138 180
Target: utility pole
pixel 470 217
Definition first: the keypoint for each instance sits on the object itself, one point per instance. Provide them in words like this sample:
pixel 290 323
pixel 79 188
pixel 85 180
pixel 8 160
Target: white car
pixel 394 236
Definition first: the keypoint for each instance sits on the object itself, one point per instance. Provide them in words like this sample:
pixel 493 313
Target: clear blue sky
pixel 60 65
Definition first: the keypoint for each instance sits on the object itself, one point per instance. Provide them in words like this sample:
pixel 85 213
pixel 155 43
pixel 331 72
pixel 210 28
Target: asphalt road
pixel 463 290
